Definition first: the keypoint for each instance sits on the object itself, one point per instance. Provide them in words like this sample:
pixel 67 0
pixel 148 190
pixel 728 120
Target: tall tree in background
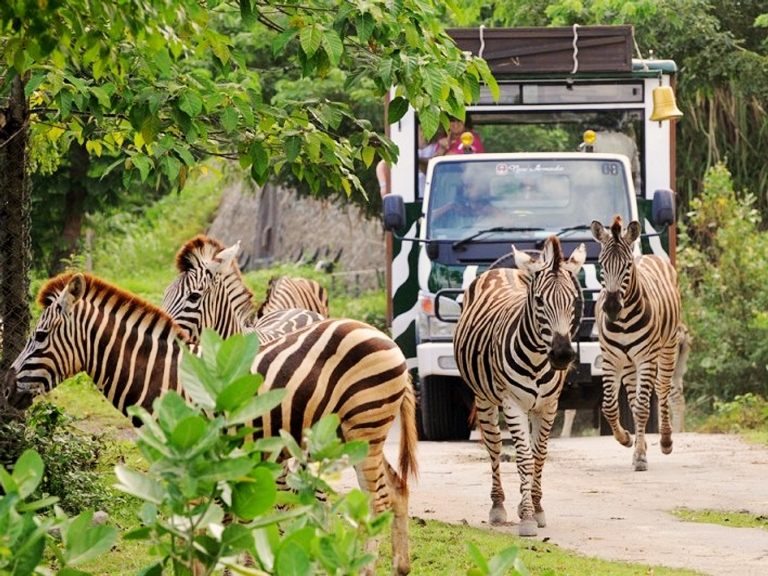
pixel 160 84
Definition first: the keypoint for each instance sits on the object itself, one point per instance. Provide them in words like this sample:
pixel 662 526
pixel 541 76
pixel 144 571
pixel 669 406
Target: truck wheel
pixel 445 408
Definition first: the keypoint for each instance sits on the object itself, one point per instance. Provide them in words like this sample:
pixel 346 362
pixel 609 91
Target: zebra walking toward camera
pixel 513 348
pixel 132 350
pixel 209 292
pixel 638 320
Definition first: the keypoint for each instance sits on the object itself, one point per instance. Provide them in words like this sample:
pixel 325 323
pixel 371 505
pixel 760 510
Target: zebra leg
pixel 541 427
pixel 676 395
pixel 372 477
pixel 641 404
pixel 488 421
pixel 611 383
pixel 519 427
pixel 568 417
pixel 398 493
pixel 663 383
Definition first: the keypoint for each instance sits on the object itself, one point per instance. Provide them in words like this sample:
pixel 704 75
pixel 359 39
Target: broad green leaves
pixel 195 74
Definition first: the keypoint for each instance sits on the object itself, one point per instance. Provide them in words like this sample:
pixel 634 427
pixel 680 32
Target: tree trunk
pixel 77 191
pixel 14 224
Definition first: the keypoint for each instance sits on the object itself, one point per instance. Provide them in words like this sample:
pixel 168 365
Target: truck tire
pixel 626 418
pixel 444 408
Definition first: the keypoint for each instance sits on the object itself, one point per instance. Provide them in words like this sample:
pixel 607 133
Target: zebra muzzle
pixel 561 354
pixel 18 397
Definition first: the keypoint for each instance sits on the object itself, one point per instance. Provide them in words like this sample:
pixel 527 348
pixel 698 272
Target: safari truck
pixel 582 131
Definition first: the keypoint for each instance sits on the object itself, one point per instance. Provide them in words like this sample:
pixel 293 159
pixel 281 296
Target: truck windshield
pixel 538 196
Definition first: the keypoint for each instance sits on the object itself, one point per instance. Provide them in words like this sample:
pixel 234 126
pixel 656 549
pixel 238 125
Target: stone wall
pixel 275 225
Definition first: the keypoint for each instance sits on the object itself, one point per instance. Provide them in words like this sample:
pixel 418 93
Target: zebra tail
pixel 409 437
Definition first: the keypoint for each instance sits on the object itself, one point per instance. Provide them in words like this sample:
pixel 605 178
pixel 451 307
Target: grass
pixel 732 519
pixel 137 254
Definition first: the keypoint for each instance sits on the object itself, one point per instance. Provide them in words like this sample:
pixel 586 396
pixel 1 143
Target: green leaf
pixel 292 560
pixel 365 24
pixel 255 496
pixel 236 355
pixel 28 472
pixel 237 393
pixel 257 406
pixel 143 163
pixel 84 542
pixel 478 558
pixel 310 38
pixel 139 485
pixel 37 504
pixel 334 47
pixel 398 106
pixel 188 432
pixel 191 103
pixel 259 159
pixel 229 119
pixel 197 380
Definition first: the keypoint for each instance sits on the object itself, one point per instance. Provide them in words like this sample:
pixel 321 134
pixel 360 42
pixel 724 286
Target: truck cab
pixel 561 149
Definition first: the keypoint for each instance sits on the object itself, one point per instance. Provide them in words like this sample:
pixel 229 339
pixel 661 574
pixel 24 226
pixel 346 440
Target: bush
pixel 70 457
pixel 724 283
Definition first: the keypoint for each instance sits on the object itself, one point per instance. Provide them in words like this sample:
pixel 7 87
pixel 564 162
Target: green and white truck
pixel 581 131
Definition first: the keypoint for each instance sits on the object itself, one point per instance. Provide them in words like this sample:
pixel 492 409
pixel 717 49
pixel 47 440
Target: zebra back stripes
pixel 513 348
pixel 131 349
pixel 287 292
pixel 639 326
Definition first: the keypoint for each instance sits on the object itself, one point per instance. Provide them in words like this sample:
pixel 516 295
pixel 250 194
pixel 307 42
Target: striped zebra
pixel 209 292
pixel 513 348
pixel 132 349
pixel 638 322
pixel 287 292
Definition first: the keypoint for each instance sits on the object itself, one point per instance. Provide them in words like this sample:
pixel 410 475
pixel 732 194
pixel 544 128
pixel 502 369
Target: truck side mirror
pixel 663 207
pixel 394 212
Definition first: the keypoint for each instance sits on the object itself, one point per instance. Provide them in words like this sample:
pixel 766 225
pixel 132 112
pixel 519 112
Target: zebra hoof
pixel 666 445
pixel 498 514
pixel 626 440
pixel 528 528
pixel 541 519
pixel 640 463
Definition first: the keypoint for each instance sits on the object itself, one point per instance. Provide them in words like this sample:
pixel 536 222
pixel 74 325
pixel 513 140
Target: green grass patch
pixel 441 549
pixel 739 519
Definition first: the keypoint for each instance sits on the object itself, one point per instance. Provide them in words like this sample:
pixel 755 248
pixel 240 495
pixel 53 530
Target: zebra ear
pixel 224 259
pixel 575 262
pixel 73 293
pixel 598 231
pixel 633 231
pixel 526 263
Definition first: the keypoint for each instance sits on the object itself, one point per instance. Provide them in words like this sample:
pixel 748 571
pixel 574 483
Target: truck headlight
pixel 429 327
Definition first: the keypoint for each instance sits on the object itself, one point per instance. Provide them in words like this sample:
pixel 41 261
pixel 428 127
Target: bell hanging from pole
pixel 664 105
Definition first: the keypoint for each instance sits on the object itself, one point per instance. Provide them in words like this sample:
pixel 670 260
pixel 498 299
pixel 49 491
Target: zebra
pixel 676 391
pixel 513 348
pixel 288 292
pixel 209 292
pixel 131 349
pixel 639 328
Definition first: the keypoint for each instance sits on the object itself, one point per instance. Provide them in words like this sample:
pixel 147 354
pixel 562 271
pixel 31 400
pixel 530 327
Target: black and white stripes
pixel 638 319
pixel 513 348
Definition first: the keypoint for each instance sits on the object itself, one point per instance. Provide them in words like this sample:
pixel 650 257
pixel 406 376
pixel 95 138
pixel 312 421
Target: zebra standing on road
pixel 132 349
pixel 638 322
pixel 513 348
pixel 209 292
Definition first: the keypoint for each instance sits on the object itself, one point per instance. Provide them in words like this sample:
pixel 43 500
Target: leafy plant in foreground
pixel 25 536
pixel 211 488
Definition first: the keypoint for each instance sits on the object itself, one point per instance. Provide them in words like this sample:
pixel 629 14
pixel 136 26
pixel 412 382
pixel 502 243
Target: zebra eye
pixel 194 297
pixel 40 336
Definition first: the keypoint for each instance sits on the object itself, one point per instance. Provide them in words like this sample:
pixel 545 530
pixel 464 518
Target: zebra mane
pixel 199 249
pixel 94 286
pixel 616 227
pixel 557 253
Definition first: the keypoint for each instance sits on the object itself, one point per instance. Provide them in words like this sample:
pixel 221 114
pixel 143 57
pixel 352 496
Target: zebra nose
pixel 612 305
pixel 561 354
pixel 17 398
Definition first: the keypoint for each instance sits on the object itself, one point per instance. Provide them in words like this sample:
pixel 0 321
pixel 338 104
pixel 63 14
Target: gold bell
pixel 664 105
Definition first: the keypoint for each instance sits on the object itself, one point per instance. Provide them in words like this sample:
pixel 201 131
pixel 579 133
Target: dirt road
pixel 598 506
